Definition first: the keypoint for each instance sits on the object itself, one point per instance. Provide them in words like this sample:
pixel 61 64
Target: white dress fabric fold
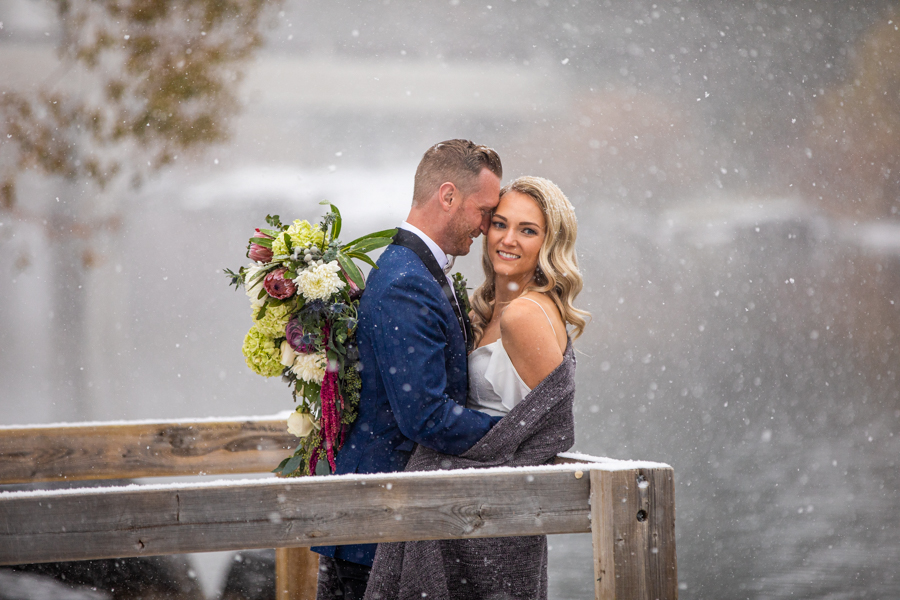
pixel 494 384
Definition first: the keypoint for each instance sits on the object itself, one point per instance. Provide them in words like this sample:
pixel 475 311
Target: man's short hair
pixel 458 161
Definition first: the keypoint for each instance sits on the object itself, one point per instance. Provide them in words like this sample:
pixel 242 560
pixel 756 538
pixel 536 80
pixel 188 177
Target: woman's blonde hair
pixel 557 273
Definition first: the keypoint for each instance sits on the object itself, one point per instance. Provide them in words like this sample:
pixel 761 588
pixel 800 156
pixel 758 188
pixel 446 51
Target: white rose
pixel 257 286
pixel 300 424
pixel 287 354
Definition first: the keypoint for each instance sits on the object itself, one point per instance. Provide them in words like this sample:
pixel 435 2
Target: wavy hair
pixel 557 273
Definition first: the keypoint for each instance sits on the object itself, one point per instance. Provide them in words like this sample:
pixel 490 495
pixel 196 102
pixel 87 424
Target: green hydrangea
pixel 275 320
pixel 261 353
pixel 301 234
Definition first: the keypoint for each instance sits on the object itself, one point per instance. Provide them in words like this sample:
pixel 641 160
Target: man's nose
pixel 485 224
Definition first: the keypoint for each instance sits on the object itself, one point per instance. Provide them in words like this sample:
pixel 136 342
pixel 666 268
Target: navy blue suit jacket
pixel 414 378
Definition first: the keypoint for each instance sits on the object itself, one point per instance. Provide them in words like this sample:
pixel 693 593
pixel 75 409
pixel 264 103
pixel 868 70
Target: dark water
pixel 738 367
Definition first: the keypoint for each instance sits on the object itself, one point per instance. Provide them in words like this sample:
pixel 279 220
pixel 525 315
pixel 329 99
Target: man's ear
pixel 448 195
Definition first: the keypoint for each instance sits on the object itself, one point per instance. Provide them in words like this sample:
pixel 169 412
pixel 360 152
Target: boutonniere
pixel 462 292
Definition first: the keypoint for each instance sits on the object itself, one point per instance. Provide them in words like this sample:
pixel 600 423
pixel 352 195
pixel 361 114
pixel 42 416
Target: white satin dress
pixel 495 386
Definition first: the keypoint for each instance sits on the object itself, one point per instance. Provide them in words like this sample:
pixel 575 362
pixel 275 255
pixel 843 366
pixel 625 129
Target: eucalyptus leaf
pixel 292 464
pixel 281 465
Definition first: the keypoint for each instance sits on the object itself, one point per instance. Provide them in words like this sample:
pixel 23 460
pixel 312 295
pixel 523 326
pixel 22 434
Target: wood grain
pixel 603 535
pixel 296 573
pixel 130 521
pixel 142 450
pixel 637 509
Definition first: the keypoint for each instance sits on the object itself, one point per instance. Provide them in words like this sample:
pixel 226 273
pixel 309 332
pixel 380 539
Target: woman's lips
pixel 507 255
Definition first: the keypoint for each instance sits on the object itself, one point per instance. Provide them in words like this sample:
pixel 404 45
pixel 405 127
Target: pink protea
pixel 260 253
pixel 278 286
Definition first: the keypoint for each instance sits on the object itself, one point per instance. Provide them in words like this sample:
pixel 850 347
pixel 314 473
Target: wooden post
pixel 633 534
pixel 296 573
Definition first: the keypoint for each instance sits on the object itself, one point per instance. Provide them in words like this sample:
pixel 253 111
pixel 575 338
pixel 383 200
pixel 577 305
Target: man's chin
pixel 465 247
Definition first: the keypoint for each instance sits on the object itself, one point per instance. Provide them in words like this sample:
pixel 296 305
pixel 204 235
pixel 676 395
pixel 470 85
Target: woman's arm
pixel 531 343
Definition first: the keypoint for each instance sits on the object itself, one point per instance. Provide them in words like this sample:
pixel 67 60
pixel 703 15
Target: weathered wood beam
pixel 296 573
pixel 162 449
pixel 146 520
pixel 633 531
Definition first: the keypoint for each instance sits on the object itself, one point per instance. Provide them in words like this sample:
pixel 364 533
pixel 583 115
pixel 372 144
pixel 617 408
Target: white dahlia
pixel 319 282
pixel 310 367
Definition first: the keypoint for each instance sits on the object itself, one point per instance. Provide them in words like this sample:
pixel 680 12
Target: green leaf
pixel 290 275
pixel 280 467
pixel 274 221
pixel 273 232
pixel 363 258
pixel 336 228
pixel 351 270
pixel 292 464
pixel 388 233
pixel 370 244
pixel 262 293
pixel 261 313
pixel 264 242
pixel 288 244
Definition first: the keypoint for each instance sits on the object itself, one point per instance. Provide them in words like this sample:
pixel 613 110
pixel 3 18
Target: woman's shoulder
pixel 531 304
pixel 530 312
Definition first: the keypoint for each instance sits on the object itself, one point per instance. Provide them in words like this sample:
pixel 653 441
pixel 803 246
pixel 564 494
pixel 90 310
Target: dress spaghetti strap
pixel 543 311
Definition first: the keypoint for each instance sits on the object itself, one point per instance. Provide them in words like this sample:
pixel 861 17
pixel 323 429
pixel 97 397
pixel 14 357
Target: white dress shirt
pixel 439 255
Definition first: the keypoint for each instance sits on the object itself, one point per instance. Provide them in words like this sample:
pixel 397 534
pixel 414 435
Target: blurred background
pixel 735 167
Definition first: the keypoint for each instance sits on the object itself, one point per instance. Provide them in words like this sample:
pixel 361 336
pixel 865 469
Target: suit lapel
pixel 408 239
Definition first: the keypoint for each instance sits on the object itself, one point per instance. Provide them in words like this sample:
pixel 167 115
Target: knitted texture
pixel 533 433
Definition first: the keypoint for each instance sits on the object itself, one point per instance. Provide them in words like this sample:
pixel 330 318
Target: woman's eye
pixel 499 224
pixel 529 231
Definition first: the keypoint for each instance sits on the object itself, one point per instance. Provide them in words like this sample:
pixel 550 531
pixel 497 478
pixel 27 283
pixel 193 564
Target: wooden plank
pixel 164 449
pixel 147 520
pixel 634 541
pixel 603 535
pixel 296 573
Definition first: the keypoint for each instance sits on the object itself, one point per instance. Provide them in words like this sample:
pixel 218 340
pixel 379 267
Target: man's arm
pixel 409 337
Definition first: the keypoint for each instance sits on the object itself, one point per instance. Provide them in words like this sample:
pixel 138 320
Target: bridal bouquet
pixel 304 290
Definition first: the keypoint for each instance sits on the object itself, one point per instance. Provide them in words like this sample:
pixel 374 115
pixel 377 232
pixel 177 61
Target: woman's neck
pixel 507 289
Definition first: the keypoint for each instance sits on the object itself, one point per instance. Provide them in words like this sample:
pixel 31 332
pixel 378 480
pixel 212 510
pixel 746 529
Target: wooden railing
pixel 628 507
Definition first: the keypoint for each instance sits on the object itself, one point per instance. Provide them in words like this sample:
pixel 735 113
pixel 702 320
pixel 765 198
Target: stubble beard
pixel 458 236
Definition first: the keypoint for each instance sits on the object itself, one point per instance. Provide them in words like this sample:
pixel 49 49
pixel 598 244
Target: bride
pixel 523 368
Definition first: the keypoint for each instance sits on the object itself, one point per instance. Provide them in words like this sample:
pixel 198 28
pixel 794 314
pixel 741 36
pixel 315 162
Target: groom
pixel 413 337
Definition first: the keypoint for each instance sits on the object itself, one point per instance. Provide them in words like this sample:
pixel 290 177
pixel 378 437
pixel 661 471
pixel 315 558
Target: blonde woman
pixel 522 310
pixel 523 369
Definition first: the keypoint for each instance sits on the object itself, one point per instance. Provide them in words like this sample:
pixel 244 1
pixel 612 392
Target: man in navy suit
pixel 413 338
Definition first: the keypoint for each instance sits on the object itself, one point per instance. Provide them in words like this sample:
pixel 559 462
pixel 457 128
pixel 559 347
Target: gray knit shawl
pixel 533 433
